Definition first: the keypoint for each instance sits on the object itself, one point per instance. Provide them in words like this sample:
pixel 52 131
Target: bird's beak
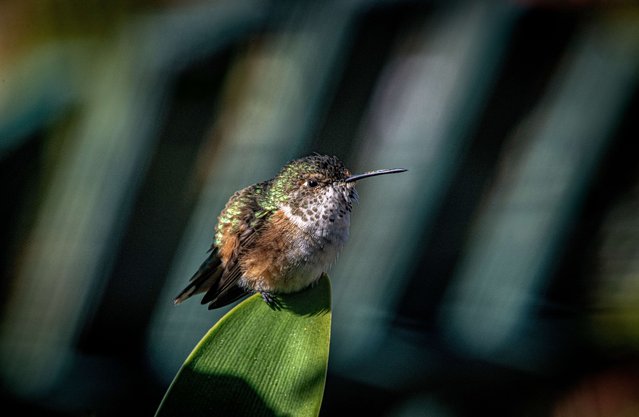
pixel 357 177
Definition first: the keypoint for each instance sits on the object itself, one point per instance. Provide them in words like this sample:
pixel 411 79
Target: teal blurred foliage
pixel 498 276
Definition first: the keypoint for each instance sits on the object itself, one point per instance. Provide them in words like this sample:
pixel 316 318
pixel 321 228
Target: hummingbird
pixel 280 235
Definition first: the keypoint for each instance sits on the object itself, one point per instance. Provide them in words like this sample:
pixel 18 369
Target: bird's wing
pixel 238 225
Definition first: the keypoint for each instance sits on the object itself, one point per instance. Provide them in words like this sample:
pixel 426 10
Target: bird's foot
pixel 271 300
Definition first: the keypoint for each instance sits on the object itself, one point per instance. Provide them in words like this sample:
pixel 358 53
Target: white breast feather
pixel 323 239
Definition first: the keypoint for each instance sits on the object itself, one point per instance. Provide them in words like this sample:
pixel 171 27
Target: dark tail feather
pixel 227 297
pixel 206 276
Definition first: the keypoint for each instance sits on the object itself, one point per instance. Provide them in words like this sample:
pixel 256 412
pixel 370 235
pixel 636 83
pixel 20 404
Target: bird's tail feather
pixel 206 276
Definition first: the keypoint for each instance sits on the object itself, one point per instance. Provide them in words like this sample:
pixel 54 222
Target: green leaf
pixel 257 361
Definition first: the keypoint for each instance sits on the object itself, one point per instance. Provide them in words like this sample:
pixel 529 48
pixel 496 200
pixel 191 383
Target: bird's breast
pixel 293 251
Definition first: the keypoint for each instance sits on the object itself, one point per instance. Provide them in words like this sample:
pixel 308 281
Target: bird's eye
pixel 312 183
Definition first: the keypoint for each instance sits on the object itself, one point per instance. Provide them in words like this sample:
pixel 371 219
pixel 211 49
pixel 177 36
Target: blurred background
pixel 499 276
